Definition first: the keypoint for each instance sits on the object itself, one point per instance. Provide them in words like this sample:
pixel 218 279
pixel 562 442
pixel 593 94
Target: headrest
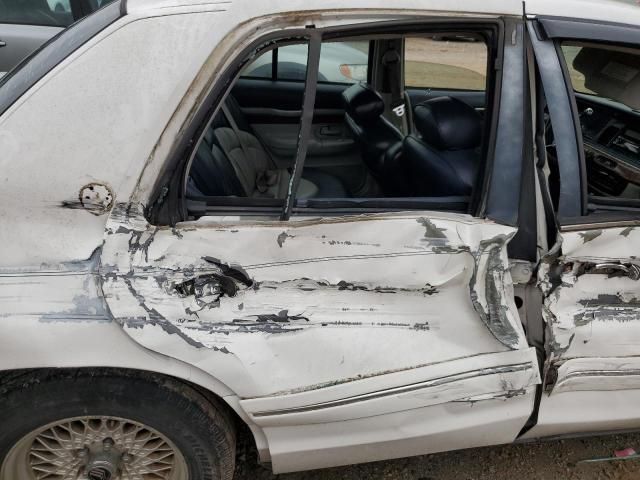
pixel 447 123
pixel 363 103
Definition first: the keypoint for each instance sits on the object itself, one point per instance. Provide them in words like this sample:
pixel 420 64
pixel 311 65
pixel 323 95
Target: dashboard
pixel 612 148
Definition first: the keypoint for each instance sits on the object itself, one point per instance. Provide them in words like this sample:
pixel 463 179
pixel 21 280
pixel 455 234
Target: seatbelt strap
pixel 263 179
pixel 391 62
pixel 234 127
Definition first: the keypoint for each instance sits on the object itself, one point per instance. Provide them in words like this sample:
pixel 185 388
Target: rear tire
pixel 111 421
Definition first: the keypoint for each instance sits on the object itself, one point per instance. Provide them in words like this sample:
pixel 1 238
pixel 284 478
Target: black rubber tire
pixel 202 431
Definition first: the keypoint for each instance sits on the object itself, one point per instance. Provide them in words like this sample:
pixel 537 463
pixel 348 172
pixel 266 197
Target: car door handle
pixel 3 44
pixel 630 270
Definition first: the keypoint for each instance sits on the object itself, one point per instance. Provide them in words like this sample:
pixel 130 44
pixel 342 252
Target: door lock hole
pixel 519 302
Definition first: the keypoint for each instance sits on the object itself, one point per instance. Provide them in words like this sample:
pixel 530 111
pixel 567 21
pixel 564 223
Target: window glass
pixel 260 67
pixel 445 62
pixel 292 62
pixel 340 62
pixel 344 62
pixel 46 12
pixel 54 13
pixel 354 157
pixel 605 71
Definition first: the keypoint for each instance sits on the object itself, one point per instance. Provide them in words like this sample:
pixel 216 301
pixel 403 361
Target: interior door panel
pixel 273 110
pixel 330 144
pixel 286 94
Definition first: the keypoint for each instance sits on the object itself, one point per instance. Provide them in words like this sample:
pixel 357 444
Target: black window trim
pixel 579 29
pixel 168 204
pixel 324 206
pixel 563 113
pixel 505 161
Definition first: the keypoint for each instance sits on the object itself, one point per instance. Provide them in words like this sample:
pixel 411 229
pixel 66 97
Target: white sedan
pixel 352 229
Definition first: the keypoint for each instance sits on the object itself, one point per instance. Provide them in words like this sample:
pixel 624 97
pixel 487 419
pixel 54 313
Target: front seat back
pixel 443 159
pixel 375 134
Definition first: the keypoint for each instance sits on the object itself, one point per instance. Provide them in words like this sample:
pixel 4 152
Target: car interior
pixel 396 117
pixel 606 84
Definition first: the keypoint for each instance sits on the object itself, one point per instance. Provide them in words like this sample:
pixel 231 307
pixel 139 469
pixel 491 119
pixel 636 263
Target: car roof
pixel 616 11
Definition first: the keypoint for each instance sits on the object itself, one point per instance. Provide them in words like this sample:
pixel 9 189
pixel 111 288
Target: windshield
pixel 605 71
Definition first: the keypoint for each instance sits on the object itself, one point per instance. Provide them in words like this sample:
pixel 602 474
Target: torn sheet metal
pixel 311 302
pixel 592 306
pixel 65 292
pixel 601 244
pixel 492 291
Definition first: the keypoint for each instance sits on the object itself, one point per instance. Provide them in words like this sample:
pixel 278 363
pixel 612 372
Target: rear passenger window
pixel 262 144
pixel 340 62
pixel 450 62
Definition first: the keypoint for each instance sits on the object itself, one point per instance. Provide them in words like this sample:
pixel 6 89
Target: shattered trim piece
pixel 489 297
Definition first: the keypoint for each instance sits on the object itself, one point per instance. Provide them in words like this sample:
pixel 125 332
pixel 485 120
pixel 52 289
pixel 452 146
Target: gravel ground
pixel 555 460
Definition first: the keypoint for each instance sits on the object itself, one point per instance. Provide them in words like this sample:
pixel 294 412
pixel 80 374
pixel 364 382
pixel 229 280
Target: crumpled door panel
pixel 592 310
pixel 281 307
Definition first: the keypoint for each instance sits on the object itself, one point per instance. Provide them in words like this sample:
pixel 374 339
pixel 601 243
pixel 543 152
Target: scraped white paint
pixel 362 295
pixel 593 333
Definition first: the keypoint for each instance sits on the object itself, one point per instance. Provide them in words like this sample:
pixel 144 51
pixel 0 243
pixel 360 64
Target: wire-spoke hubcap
pixel 94 448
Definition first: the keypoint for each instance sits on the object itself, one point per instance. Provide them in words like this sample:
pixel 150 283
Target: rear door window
pixel 340 62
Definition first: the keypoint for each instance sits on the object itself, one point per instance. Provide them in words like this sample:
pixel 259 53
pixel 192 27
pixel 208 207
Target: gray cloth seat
pixel 254 167
pixel 234 162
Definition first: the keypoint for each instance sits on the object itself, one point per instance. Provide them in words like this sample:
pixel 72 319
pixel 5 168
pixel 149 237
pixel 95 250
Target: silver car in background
pixel 26 24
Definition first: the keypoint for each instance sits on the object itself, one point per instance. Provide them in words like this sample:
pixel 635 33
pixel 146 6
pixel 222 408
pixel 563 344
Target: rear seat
pixel 230 163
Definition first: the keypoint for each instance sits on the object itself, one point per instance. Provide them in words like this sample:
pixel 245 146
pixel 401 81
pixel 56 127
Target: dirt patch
pixel 535 461
pixel 445 64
